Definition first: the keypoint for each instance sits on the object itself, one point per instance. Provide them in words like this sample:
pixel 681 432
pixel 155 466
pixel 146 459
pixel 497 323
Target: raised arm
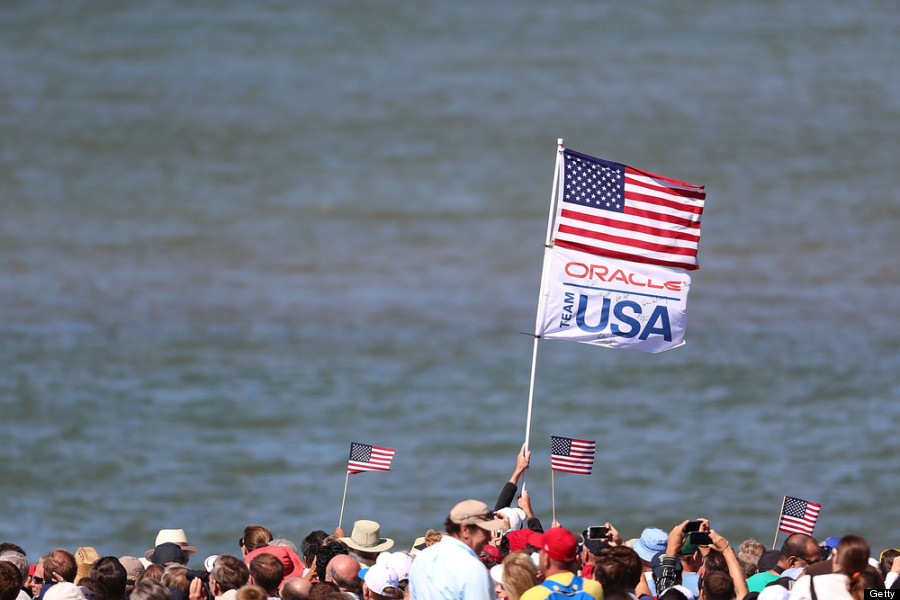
pixel 669 560
pixel 504 500
pixel 734 567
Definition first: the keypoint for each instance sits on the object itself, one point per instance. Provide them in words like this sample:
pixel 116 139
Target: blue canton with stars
pixel 594 184
pixel 560 446
pixel 794 507
pixel 360 452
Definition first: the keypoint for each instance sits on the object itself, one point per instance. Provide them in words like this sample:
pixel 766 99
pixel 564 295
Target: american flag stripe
pixel 614 210
pixel 365 457
pixel 637 226
pixel 635 239
pixel 799 516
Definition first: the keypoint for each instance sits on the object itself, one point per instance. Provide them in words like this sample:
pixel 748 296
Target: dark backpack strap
pixel 812 587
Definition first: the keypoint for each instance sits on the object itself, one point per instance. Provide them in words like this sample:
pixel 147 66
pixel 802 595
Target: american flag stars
pixel 594 185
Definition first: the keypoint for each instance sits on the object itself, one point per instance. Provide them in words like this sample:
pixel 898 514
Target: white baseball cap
pixel 381 576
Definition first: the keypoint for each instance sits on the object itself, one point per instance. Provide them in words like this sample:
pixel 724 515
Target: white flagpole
pixel 540 310
pixel 346 481
pixel 553 492
pixel 778 527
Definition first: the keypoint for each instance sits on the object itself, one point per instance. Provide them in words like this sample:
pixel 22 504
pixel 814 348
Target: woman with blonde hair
pixel 519 574
pixel 851 557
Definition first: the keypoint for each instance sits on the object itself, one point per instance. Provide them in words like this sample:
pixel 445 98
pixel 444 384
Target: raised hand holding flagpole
pixel 365 457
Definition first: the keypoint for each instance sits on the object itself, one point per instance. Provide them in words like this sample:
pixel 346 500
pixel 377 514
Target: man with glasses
pixel 798 552
pixel 450 569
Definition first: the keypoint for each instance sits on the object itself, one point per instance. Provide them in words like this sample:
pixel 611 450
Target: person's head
pixel 295 588
pixel 433 537
pixel 151 572
pixel 381 583
pixel 133 567
pixel 519 574
pixel 267 572
pixel 632 565
pixel 715 561
pixel 85 557
pixel 324 589
pixel 559 550
pixel 66 590
pixel 677 592
pixel 748 556
pixel 799 551
pixel 37 578
pixel 311 544
pixel 472 523
pixel 717 585
pixel 95 586
pixel 168 553
pixel 252 592
pixel 18 559
pixel 175 577
pixel 61 562
pixel 653 540
pixel 174 536
pixel 228 573
pixel 284 543
pixel 326 553
pixel 886 560
pixel 150 589
pixel 344 571
pixel 110 572
pixel 9 546
pixel 10 581
pixel 613 572
pixel 365 542
pixel 255 536
pixel 851 558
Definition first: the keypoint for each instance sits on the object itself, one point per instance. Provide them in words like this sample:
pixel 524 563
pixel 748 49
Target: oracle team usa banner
pixel 613 303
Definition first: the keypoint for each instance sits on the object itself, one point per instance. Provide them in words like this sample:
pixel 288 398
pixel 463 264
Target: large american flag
pixel 798 516
pixel 614 210
pixel 365 457
pixel 571 455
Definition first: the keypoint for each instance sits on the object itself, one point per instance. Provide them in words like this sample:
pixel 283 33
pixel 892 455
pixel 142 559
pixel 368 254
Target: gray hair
pixel 19 560
pixel 285 544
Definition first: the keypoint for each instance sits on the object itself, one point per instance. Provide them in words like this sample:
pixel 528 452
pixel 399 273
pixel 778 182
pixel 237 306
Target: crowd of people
pixel 480 554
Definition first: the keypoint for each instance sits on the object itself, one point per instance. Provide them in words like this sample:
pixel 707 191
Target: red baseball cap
pixel 557 542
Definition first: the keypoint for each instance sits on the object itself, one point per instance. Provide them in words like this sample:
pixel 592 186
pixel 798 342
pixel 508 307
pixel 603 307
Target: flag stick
pixel 553 492
pixel 778 527
pixel 346 481
pixel 540 311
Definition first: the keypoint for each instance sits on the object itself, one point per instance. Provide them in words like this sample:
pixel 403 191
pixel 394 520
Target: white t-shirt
pixel 832 586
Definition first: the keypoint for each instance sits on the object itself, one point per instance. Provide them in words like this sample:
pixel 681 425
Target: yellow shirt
pixel 539 592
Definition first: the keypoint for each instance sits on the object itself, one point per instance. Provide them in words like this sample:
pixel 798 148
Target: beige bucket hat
pixel 366 537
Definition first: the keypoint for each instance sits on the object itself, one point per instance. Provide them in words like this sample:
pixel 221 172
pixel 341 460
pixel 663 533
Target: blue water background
pixel 237 237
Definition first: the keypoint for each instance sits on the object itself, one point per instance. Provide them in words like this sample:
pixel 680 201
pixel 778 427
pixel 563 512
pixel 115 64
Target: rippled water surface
pixel 236 238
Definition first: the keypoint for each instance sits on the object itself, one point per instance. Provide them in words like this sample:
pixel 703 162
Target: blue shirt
pixel 449 570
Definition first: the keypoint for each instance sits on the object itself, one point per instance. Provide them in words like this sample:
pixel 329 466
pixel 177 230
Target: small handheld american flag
pixel 798 516
pixel 365 457
pixel 571 455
